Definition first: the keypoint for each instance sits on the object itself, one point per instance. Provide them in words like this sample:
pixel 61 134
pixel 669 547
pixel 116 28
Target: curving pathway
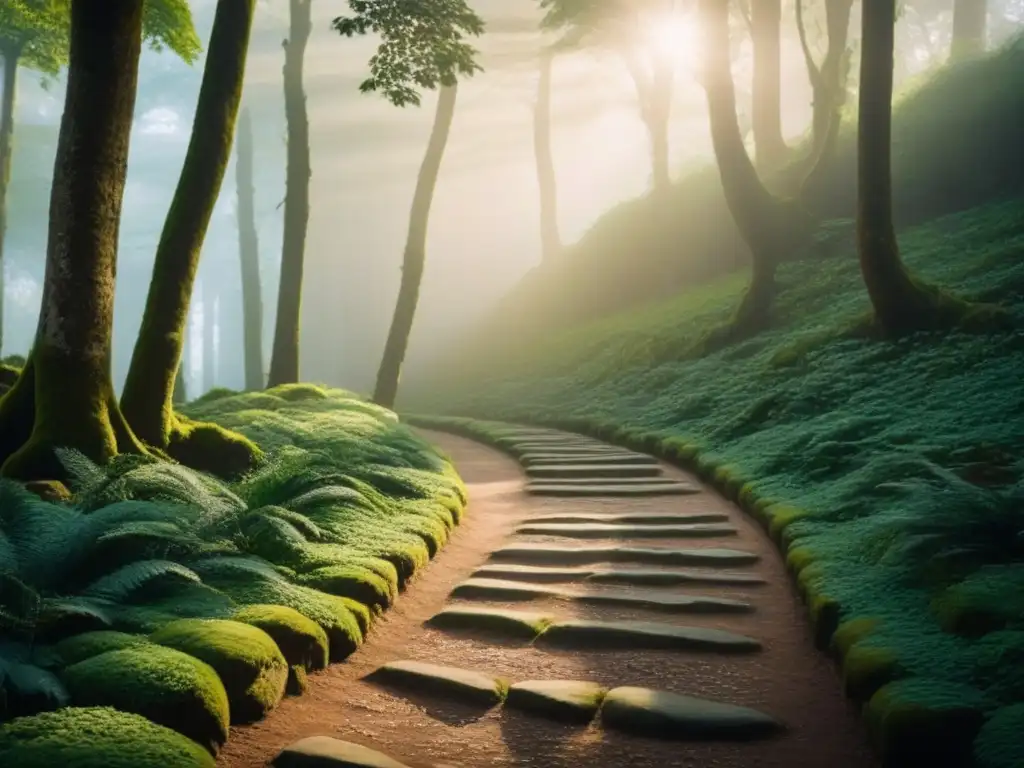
pixel 609 610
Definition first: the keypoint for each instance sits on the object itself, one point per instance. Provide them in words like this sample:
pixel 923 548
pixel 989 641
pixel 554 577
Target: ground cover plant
pixel 161 593
pixel 889 471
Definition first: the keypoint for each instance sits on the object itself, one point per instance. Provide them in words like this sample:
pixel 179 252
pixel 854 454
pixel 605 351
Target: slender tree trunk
pixel 659 112
pixel 69 369
pixel 249 253
pixel 209 335
pixel 758 215
pixel 766 32
pixel 970 21
pixel 147 400
pixel 284 360
pixel 898 302
pixel 550 240
pixel 386 389
pixel 828 85
pixel 11 56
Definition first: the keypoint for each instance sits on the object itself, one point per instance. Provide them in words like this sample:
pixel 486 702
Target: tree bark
pixel 970 21
pixel 209 335
pixel 550 240
pixel 386 389
pixel 69 370
pixel 284 360
pixel 759 217
pixel 147 400
pixel 11 55
pixel 828 85
pixel 249 253
pixel 898 302
pixel 766 111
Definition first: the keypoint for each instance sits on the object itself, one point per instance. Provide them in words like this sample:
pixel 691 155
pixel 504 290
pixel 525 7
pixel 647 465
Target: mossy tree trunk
pixel 147 400
pixel 900 304
pixel 550 240
pixel 970 23
pixel 10 52
pixel 761 219
pixel 249 254
pixel 66 385
pixel 284 359
pixel 766 93
pixel 386 389
pixel 828 86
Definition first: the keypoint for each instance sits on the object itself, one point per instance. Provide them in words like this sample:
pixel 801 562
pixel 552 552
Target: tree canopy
pixel 422 45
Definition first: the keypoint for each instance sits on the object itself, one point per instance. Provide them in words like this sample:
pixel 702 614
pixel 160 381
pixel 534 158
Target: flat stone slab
pixel 498 590
pixel 619 488
pixel 572 701
pixel 646 577
pixel 644 635
pixel 596 469
pixel 606 531
pixel 325 752
pixel 450 682
pixel 633 518
pixel 547 458
pixel 542 554
pixel 664 715
pixel 514 624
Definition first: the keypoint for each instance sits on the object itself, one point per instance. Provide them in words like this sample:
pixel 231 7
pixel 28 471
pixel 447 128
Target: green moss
pixel 166 686
pixel 96 737
pixel 867 668
pixel 353 581
pixel 925 722
pixel 302 642
pixel 77 648
pixel 212 448
pixel 298 392
pixel 851 632
pixel 298 681
pixel 999 745
pixel 780 517
pixel 989 599
pixel 246 658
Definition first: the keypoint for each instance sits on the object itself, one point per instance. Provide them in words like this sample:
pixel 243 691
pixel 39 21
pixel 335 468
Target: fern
pixel 124 583
pixel 24 687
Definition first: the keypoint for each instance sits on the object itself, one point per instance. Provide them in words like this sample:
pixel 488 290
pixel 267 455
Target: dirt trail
pixel 788 680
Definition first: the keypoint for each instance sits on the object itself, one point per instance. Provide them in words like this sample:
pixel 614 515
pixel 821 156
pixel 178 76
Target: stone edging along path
pixel 571 644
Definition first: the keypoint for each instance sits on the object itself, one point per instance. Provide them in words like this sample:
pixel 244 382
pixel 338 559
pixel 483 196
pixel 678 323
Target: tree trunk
pixel 550 240
pixel 149 389
pixel 898 302
pixel 180 394
pixel 209 335
pixel 970 19
pixel 386 389
pixel 249 253
pixel 69 371
pixel 284 360
pixel 11 56
pixel 758 215
pixel 766 113
pixel 828 85
pixel 659 112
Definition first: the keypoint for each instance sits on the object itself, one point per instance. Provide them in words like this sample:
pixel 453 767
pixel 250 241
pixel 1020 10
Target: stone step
pixel 605 531
pixel 544 630
pixel 632 518
pixel 584 449
pixel 640 577
pixel 617 488
pixel 643 635
pixel 568 458
pixel 450 682
pixel 593 470
pixel 570 701
pixel 663 715
pixel 498 590
pixel 327 752
pixel 542 554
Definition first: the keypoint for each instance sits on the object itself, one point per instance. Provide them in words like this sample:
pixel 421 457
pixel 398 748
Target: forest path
pixel 664 588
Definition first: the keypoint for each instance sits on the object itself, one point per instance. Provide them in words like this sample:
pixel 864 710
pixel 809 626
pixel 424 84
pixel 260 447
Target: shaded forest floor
pixel 891 470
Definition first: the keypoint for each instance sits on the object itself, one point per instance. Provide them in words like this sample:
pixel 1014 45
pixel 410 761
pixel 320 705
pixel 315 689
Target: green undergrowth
pixel 890 473
pixel 166 593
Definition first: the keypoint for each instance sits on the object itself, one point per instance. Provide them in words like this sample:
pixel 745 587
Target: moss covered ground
pixel 890 472
pixel 163 593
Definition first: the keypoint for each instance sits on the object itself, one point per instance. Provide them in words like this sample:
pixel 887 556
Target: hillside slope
pixel 895 468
